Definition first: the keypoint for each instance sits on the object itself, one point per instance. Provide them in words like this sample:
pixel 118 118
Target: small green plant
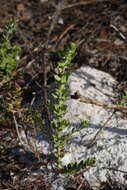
pixel 123 99
pixel 11 93
pixel 60 138
pixel 59 124
pixel 8 53
pixel 75 167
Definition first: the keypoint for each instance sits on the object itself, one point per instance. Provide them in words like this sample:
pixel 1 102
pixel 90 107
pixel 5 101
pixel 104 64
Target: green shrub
pixel 10 93
pixel 60 138
pixel 8 53
pixel 11 100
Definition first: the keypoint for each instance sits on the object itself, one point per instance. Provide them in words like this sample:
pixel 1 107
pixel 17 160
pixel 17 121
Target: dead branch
pixel 17 130
pixel 90 144
pixel 125 172
pixel 84 3
pixel 102 104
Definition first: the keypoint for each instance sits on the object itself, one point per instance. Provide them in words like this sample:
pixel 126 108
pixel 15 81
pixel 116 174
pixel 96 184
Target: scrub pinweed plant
pixel 8 53
pixel 59 108
pixel 60 138
pixel 10 93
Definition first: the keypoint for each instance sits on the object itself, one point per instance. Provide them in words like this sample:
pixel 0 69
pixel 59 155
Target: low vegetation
pixel 12 109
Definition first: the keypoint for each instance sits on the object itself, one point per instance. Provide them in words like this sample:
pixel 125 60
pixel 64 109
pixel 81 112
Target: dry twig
pixel 67 29
pixel 17 130
pixel 83 3
pixel 102 104
pixel 125 172
pixel 90 144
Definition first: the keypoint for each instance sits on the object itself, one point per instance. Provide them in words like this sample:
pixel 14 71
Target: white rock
pixel 111 144
pixel 60 21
